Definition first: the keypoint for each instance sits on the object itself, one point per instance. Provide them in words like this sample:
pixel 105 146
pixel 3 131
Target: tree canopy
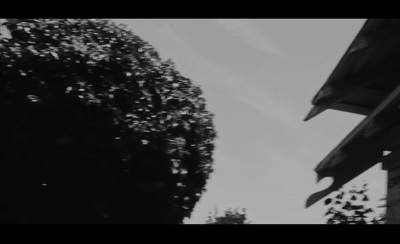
pixel 349 207
pixel 230 216
pixel 97 128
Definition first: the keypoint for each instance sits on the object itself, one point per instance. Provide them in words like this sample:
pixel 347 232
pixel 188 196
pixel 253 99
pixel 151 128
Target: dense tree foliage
pixel 96 128
pixel 350 208
pixel 231 216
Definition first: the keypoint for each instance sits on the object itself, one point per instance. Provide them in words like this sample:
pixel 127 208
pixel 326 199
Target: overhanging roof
pixel 366 81
pixel 363 76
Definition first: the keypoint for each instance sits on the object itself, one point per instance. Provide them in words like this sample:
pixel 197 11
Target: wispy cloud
pixel 222 85
pixel 250 34
pixel 275 109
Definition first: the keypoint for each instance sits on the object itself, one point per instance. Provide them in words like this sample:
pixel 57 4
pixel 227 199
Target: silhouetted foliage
pixel 349 208
pixel 231 216
pixel 96 128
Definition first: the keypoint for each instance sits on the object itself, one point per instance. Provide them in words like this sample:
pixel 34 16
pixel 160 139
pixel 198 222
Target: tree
pixel 349 208
pixel 96 128
pixel 231 216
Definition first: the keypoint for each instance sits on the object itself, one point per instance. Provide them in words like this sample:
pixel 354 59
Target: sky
pixel 259 77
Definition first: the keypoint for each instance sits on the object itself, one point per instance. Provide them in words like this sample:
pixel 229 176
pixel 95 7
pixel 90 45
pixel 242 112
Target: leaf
pixel 340 196
pixel 33 98
pixel 328 201
pixel 55 55
pixel 361 221
pixel 357 212
pixel 32 50
pixel 357 207
pixel 347 206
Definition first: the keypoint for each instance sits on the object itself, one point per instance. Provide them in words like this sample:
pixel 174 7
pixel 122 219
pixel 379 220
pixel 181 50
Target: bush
pixel 96 128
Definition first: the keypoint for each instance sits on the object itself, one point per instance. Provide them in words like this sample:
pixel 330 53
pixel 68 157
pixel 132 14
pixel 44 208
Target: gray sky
pixel 258 77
